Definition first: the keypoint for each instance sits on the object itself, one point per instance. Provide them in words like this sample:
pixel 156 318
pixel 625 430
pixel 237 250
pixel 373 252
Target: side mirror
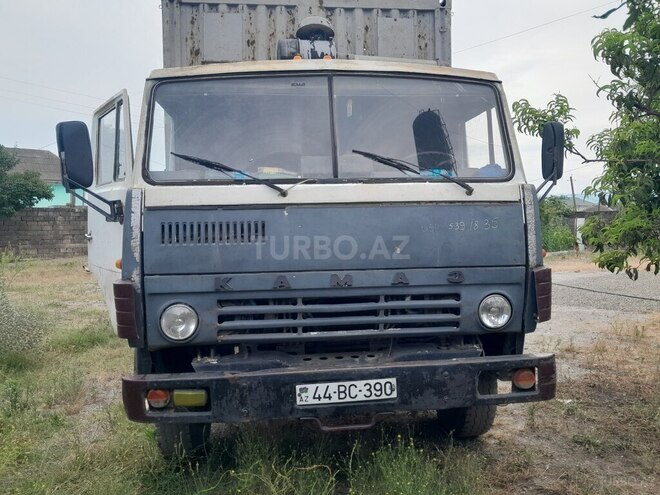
pixel 552 151
pixel 75 152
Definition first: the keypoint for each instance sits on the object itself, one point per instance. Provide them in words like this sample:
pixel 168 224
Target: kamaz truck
pixel 322 220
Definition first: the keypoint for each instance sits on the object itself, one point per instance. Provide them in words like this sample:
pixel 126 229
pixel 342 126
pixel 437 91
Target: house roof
pixel 583 205
pixel 44 162
pixel 580 203
pixel 597 208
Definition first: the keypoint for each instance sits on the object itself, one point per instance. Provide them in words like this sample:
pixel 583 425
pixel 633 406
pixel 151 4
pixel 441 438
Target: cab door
pixel 112 149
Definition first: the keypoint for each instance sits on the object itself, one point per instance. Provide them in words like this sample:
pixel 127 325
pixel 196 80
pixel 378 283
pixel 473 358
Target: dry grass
pixel 571 262
pixel 601 435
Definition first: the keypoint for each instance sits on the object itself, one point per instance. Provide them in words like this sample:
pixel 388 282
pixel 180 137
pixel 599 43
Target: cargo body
pixel 318 235
pixel 204 32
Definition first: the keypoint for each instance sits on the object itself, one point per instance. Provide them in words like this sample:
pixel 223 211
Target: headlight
pixel 495 311
pixel 179 322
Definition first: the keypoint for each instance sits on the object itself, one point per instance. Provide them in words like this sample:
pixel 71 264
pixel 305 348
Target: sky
pixel 61 59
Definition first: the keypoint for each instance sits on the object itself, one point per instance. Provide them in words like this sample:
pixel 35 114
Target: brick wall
pixel 45 232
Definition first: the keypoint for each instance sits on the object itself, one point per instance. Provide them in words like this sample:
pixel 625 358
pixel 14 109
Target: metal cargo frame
pixel 200 32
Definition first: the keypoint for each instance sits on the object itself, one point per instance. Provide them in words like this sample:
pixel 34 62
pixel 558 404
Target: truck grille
pixel 347 314
pixel 205 233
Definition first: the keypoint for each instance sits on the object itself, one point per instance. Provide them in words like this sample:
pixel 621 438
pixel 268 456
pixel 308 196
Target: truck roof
pixel 270 66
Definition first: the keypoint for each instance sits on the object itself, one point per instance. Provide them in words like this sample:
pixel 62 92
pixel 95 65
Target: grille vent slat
pixel 212 233
pixel 276 317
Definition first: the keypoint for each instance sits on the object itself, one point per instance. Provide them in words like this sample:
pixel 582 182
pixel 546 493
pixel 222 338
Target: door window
pixel 112 142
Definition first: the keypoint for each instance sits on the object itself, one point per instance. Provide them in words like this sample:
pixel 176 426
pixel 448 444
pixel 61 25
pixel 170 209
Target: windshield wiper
pixel 468 188
pixel 221 167
pixel 390 162
pixel 405 166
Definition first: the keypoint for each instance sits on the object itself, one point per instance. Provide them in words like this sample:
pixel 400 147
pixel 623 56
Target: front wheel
pixel 182 439
pixel 471 422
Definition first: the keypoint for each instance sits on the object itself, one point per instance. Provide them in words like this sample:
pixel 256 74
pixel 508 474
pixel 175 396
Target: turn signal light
pixel 158 398
pixel 524 378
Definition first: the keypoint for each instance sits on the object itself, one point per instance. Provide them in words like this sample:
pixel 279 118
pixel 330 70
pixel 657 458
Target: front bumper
pixel 270 394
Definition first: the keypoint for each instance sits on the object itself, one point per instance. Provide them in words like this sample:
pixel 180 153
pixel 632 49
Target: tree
pixel 18 190
pixel 629 149
pixel 555 234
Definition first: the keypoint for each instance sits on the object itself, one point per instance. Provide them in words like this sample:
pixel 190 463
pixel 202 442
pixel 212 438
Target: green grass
pixel 402 467
pixel 121 458
pixel 82 339
pixel 63 428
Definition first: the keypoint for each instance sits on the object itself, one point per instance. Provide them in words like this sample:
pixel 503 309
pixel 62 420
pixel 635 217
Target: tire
pixel 182 439
pixel 471 422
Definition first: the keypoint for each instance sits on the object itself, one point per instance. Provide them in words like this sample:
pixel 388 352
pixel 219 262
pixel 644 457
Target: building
pixel 583 205
pixel 583 210
pixel 47 165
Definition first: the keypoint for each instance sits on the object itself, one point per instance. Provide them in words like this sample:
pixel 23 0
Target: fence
pixel 45 232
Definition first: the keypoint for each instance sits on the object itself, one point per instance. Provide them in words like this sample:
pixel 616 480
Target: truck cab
pixel 310 234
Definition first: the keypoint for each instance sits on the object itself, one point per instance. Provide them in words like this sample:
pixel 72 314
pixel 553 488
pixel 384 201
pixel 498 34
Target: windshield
pixel 292 128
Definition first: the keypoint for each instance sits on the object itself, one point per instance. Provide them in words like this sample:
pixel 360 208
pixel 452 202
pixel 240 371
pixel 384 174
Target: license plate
pixel 339 392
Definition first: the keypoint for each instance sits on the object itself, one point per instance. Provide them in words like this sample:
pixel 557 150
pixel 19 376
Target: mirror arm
pixel 116 213
pixel 552 178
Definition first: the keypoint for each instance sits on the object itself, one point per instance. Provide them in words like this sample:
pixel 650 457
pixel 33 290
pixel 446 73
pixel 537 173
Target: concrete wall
pixel 45 232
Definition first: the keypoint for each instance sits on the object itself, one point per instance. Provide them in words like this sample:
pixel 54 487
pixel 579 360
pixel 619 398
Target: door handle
pixel 88 236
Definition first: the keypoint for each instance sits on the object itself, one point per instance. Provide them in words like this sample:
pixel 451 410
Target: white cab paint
pixel 105 244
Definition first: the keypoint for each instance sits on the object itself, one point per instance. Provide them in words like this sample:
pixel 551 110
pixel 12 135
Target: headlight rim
pixel 169 337
pixel 510 316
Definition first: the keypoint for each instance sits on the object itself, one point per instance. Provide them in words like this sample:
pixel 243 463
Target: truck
pixel 323 220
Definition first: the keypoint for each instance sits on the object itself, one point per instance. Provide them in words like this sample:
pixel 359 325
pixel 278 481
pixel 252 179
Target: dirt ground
pixel 601 435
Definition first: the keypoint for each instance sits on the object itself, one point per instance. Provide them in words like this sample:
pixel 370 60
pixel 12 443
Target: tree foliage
pixel 555 234
pixel 530 120
pixel 629 149
pixel 553 210
pixel 18 190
